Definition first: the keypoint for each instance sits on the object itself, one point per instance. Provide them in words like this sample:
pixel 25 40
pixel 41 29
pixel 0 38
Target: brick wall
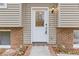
pixel 65 37
pixel 15 36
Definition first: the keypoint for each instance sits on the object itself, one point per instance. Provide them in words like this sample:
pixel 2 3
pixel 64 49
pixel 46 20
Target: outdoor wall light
pixel 52 10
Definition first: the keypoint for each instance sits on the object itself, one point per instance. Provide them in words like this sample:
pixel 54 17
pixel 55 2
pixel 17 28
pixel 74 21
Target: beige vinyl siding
pixel 26 10
pixel 69 15
pixel 10 16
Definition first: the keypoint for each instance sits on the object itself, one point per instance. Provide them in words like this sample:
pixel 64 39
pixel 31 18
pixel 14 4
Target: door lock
pixel 46 29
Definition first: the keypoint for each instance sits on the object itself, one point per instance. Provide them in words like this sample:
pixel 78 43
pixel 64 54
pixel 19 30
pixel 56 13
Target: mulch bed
pixel 27 52
pixel 55 51
pixel 24 51
pixel 73 51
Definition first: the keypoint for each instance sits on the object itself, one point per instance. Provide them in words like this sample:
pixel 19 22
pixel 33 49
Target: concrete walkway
pixel 40 51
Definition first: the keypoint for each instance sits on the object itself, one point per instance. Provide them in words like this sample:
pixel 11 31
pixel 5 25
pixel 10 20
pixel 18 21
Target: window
pixel 39 18
pixel 3 5
pixel 4 39
pixel 76 38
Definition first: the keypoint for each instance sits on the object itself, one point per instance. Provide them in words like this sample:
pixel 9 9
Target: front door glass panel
pixel 39 22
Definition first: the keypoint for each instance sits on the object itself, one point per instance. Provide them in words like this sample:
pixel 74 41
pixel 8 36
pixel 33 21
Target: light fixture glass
pixel 52 10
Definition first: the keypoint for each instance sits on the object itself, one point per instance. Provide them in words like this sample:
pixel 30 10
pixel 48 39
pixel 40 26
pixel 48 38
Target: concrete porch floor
pixel 40 51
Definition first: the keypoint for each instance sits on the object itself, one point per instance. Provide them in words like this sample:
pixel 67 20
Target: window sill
pixel 76 46
pixel 5 46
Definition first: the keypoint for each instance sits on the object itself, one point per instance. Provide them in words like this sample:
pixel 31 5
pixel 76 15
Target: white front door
pixel 39 24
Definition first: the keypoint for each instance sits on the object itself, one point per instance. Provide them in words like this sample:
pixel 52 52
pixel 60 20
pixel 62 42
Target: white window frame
pixel 5 46
pixel 75 45
pixel 4 6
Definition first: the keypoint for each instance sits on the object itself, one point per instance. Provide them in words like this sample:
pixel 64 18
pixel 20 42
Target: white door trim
pixel 32 23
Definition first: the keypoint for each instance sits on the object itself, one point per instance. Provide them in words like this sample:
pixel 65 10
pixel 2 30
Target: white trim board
pixel 5 46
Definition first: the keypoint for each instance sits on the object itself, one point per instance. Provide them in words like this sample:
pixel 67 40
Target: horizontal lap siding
pixel 69 15
pixel 52 28
pixel 26 10
pixel 10 16
pixel 26 24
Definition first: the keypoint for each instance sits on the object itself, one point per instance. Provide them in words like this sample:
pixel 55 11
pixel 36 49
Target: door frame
pixel 47 23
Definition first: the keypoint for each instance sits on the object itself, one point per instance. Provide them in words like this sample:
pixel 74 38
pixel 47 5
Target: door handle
pixel 46 29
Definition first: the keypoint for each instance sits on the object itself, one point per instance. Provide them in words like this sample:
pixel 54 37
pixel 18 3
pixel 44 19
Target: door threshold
pixel 39 43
